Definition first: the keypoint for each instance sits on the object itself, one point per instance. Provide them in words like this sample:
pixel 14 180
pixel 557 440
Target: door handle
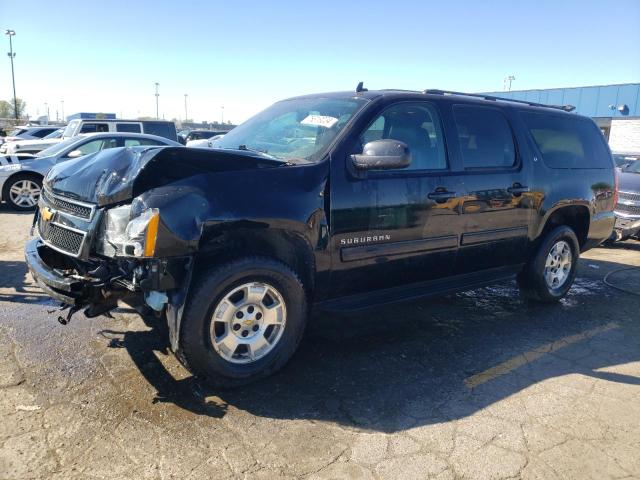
pixel 517 189
pixel 441 196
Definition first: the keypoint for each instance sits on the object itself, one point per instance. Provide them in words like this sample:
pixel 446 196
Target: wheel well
pixel 575 216
pixel 290 249
pixel 35 175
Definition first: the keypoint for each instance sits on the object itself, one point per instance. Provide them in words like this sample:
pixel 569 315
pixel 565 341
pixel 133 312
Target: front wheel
pixel 549 275
pixel 22 191
pixel 243 321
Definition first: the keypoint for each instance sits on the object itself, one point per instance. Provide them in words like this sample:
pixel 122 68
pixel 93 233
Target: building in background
pixel 615 109
pixel 91 116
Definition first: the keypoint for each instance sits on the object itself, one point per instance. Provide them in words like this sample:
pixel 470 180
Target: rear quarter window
pixel 567 141
pixel 128 127
pixel 166 130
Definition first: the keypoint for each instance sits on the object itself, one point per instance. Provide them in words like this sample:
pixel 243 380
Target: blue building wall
pixel 91 116
pixel 593 101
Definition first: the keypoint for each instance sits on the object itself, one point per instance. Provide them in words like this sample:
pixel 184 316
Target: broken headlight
pixel 125 233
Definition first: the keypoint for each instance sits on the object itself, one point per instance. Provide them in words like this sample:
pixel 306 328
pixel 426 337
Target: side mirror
pixel 75 154
pixel 383 155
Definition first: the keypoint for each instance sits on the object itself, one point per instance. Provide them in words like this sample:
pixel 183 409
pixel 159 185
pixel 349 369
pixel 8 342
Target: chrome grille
pixel 62 238
pixel 630 209
pixel 70 207
pixel 629 196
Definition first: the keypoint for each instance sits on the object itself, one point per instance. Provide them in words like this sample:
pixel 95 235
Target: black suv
pixel 341 200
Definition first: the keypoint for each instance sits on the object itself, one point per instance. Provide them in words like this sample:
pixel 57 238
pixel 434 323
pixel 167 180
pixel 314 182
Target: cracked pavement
pixel 478 385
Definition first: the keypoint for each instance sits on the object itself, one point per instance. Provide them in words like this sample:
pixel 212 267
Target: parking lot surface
pixel 475 385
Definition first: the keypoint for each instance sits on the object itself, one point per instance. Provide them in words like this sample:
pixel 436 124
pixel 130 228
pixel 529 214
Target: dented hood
pixel 120 174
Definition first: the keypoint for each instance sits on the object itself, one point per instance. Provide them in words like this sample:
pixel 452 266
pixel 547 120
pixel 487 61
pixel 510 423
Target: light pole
pixel 157 95
pixel 11 33
pixel 222 115
pixel 185 107
pixel 509 79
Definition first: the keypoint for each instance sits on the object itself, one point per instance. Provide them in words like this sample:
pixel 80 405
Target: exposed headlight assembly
pixel 121 235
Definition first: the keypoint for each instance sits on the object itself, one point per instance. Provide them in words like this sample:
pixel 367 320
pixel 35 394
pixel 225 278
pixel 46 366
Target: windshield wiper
pixel 255 150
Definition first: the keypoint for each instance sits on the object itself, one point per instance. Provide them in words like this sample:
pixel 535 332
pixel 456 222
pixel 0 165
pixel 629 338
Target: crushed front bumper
pixel 42 262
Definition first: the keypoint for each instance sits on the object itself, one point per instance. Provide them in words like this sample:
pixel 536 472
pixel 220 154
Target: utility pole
pixel 186 116
pixel 11 33
pixel 157 95
pixel 508 79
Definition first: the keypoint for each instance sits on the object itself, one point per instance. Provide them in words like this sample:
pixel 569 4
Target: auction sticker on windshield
pixel 320 121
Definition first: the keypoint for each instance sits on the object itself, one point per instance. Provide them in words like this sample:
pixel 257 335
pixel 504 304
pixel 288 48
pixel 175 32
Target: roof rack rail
pixel 566 108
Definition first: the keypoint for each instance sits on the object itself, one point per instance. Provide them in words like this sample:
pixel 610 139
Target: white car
pixel 27 133
pixel 204 142
pixel 34 146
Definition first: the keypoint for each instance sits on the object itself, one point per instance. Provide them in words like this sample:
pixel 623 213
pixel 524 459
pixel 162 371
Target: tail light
pixel 616 186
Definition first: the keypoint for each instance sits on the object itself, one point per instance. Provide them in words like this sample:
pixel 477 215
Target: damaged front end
pixel 92 259
pixel 125 225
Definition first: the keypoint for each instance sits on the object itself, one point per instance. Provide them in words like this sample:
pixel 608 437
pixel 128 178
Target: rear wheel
pixel 243 321
pixel 549 275
pixel 22 191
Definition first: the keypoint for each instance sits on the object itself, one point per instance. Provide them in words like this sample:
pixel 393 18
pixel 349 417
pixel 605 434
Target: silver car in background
pixel 21 176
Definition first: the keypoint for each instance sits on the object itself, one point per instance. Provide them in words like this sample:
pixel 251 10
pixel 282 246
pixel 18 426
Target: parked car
pixel 27 133
pixel 343 201
pixel 205 143
pixel 34 146
pixel 21 177
pixel 624 159
pixel 160 128
pixel 628 207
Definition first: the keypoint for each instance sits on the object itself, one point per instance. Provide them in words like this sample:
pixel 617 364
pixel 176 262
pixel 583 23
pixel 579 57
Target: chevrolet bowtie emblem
pixel 46 213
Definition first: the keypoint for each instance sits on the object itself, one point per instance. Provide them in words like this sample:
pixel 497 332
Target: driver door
pixel 395 227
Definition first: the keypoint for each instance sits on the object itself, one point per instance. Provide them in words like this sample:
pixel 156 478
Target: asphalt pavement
pixel 478 385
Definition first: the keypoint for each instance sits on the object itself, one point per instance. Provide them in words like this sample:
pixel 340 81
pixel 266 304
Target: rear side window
pixel 128 127
pixel 166 130
pixel 94 128
pixel 567 141
pixel 41 133
pixel 484 136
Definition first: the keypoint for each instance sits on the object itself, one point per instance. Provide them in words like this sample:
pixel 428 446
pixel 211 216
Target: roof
pixel 433 94
pixel 127 135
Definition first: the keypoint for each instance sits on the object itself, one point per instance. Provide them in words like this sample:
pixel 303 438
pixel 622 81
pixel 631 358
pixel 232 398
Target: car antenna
pixel 360 88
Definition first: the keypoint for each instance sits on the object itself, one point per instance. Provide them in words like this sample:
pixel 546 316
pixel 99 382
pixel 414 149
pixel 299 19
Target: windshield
pixel 17 131
pixel 55 134
pixel 58 147
pixel 70 130
pixel 293 129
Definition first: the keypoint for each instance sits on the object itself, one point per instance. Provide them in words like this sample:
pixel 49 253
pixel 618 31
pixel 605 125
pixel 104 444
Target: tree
pixel 7 109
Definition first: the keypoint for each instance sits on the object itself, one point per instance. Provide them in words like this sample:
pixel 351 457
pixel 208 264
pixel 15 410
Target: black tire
pixel 532 281
pixel 196 350
pixel 12 181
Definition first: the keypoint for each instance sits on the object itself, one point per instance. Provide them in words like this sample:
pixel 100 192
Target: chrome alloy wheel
pixel 24 193
pixel 558 265
pixel 248 322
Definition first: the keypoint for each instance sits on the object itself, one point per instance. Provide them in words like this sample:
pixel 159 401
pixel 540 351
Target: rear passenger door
pixel 495 211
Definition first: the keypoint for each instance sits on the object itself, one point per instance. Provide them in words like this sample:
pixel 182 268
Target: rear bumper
pixel 627 226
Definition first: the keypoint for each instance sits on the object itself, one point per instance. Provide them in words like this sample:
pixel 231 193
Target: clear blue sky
pixel 244 55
